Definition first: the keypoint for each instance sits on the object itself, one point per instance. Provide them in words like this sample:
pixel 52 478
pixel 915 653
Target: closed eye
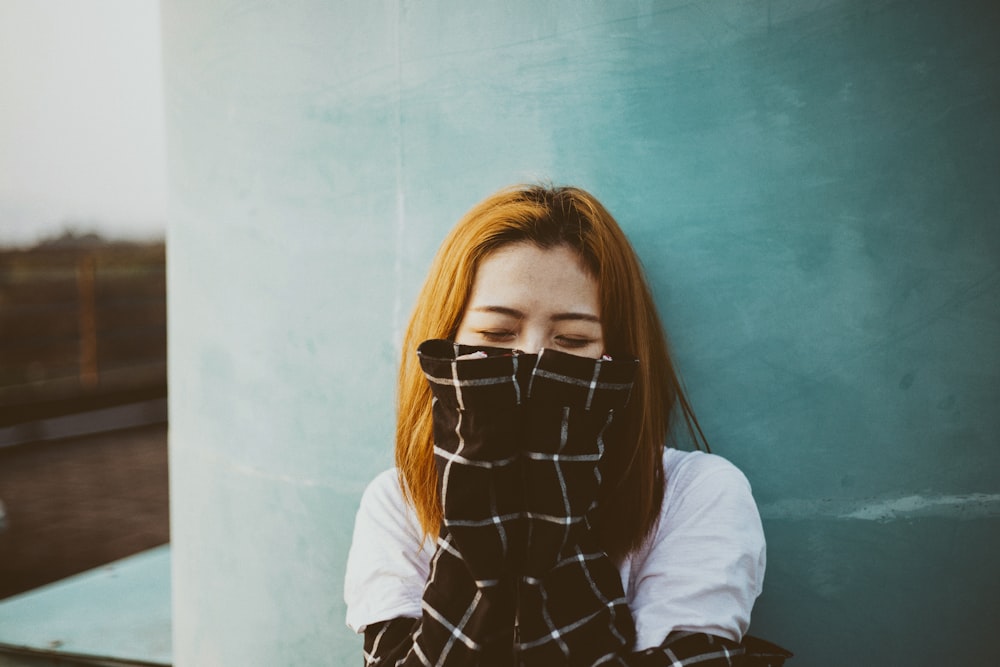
pixel 497 335
pixel 573 342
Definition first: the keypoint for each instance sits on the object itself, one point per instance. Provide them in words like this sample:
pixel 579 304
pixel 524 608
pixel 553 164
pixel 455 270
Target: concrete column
pixel 810 185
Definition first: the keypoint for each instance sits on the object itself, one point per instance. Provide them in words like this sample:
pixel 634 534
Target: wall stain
pixel 903 508
pixel 906 382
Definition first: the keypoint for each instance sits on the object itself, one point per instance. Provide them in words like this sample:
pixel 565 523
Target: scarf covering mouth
pixel 517 576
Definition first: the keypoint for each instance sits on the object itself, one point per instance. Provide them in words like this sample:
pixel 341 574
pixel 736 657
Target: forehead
pixel 529 274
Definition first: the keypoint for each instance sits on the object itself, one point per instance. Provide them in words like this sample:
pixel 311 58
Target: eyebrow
pixel 558 317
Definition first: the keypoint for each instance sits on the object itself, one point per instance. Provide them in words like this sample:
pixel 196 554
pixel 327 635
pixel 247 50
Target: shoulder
pixel 700 474
pixel 383 498
pixel 687 467
pixel 694 480
pixel 703 565
pixel 387 563
pixel 708 494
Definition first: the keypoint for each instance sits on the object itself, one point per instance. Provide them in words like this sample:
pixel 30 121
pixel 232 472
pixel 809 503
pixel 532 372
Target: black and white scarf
pixel 517 577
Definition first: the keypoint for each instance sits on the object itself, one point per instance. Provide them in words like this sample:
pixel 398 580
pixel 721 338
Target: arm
pixel 703 565
pixel 571 605
pixel 468 601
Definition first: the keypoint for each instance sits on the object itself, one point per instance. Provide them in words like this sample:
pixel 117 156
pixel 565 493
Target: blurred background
pixel 83 386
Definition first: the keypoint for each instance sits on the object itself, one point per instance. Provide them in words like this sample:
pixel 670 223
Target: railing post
pixel 85 270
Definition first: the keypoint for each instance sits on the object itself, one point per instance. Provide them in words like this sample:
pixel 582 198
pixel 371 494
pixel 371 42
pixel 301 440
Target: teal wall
pixel 812 186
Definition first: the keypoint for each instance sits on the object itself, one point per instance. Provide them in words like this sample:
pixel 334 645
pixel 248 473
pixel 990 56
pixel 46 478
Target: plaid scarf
pixel 517 577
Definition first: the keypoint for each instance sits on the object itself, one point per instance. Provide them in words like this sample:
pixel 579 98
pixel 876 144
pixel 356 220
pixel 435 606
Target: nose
pixel 531 342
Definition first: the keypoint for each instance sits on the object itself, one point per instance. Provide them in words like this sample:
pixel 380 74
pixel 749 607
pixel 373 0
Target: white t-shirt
pixel 700 570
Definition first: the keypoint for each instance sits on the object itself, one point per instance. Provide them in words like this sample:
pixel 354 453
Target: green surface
pixel 812 187
pixel 116 614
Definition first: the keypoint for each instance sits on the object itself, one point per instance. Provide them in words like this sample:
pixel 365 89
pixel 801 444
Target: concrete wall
pixel 811 185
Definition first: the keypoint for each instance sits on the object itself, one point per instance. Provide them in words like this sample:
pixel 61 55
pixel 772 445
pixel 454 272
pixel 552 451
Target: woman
pixel 535 516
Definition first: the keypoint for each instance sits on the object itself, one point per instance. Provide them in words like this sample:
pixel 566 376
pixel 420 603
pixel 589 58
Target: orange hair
pixel 632 487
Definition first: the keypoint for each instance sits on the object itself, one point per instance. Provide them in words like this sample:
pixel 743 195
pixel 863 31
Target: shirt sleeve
pixel 387 565
pixel 704 565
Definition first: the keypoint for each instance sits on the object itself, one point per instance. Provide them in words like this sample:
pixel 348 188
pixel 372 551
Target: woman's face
pixel 527 298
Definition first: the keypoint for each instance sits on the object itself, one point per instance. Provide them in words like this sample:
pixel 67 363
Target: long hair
pixel 632 472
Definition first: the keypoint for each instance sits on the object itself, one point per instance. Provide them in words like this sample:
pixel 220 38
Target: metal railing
pixel 81 328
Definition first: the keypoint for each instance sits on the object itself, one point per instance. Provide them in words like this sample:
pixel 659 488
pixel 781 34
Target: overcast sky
pixel 81 119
